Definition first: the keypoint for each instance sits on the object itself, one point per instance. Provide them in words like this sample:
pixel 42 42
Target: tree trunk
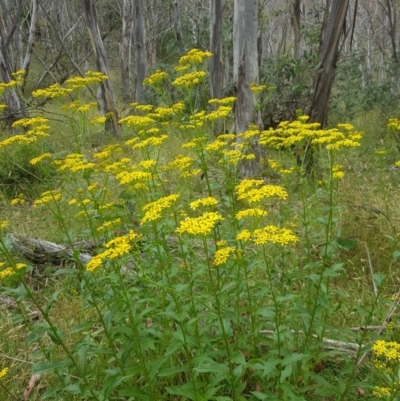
pixel 216 74
pixel 15 109
pixel 140 49
pixel 125 50
pixel 295 20
pixel 105 98
pixel 31 39
pixel 177 24
pixel 245 72
pixel 327 63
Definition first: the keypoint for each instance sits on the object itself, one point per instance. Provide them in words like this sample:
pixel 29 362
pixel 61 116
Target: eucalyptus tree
pixel 14 53
pixel 245 71
pixel 140 48
pixel 177 24
pixel 216 72
pixel 327 61
pixel 125 49
pixel 105 95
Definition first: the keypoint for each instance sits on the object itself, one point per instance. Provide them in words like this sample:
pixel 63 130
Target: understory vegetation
pixel 186 280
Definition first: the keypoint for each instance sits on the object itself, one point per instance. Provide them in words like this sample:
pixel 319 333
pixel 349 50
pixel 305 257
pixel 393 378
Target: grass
pixel 195 302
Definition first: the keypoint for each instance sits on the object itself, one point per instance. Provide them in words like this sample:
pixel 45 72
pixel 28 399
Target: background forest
pixel 199 200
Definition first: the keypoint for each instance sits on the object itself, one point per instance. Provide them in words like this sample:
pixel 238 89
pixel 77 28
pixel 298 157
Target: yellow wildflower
pixel 209 201
pixel 155 78
pixel 190 79
pixel 222 254
pixel 38 159
pixel 194 56
pixel 154 209
pixel 199 225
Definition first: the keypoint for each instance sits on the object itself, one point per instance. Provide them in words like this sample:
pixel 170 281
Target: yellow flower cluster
pixel 40 158
pixel 9 271
pixel 74 162
pixel 109 224
pixel 152 141
pixel 222 255
pixel 288 134
pixel 381 392
pixel 226 101
pixel 180 163
pixel 3 372
pixel 209 201
pixel 91 77
pixel 222 112
pixel 257 88
pixel 199 225
pixel 98 120
pixel 154 209
pixel 139 122
pixel 46 197
pixel 279 167
pixel 390 350
pixel 190 79
pixel 253 212
pixel 261 236
pixel 337 172
pixel 253 191
pixel 155 78
pixel 126 177
pixel 53 91
pixel 393 124
pixel 37 128
pixel 107 151
pixel 194 56
pixel 117 247
pixel 19 200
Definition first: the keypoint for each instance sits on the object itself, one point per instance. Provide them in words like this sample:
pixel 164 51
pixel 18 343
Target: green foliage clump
pixel 203 284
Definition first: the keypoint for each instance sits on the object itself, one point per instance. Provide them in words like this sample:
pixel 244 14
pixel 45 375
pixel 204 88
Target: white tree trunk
pixel 140 49
pixel 105 98
pixel 216 73
pixel 177 24
pixel 245 71
pixel 31 39
pixel 125 50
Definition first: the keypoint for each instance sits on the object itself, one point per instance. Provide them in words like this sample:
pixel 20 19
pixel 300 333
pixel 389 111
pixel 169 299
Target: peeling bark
pixel 245 72
pixel 105 98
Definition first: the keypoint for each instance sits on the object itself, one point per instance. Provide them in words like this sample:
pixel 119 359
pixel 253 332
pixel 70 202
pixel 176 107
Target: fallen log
pixel 42 251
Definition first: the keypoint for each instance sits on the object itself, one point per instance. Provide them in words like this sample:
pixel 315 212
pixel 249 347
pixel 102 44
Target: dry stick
pixel 371 270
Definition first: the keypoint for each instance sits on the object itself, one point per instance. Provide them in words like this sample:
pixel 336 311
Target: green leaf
pixel 293 358
pixel 286 373
pixel 346 243
pixel 260 396
pixel 171 371
pixel 59 272
pixel 186 390
pixel 52 299
pixel 395 255
pixel 378 278
pixel 83 326
pixel 174 346
pixel 44 367
pixel 212 367
pixel 134 392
